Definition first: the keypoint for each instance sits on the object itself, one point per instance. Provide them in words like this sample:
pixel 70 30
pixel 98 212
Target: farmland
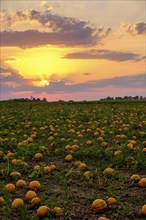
pixel 78 152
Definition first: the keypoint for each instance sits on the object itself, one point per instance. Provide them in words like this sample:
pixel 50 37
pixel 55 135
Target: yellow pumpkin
pixel 99 205
pixel 10 187
pixel 111 200
pixel 30 195
pixel 82 166
pixel 135 177
pixel 53 167
pixel 17 203
pixel 109 171
pixel 37 167
pixel 35 185
pixel 21 183
pixel 2 201
pixel 143 209
pixel 15 174
pixel 38 156
pixel 47 169
pixel 102 218
pixel 58 211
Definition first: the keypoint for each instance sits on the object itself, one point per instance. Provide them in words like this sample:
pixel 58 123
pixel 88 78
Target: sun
pixel 41 83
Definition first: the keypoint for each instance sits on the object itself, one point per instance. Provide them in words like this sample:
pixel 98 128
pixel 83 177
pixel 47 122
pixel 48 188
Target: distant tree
pixel 136 97
pixel 44 100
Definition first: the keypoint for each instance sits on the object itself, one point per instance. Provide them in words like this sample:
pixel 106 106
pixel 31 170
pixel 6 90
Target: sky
pixel 72 50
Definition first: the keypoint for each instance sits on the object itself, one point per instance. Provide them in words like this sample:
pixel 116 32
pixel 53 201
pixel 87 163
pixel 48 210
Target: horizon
pixel 72 50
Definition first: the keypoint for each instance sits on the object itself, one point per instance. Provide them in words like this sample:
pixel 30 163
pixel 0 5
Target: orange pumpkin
pixel 10 187
pixel 142 182
pixel 43 211
pixel 35 185
pixel 30 195
pixel 99 205
pixel 17 203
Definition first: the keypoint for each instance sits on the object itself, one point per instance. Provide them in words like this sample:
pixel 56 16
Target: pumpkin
pixel 53 167
pixel 1 153
pixel 104 144
pixel 143 209
pixel 34 185
pixel 30 140
pixel 68 147
pixel 30 195
pixel 15 174
pixel 51 138
pixel 17 203
pixel 88 174
pixel 68 157
pixel 142 182
pixel 75 147
pixel 21 183
pixel 37 167
pixel 111 200
pixel 58 211
pixel 2 200
pixel 47 169
pixel 42 148
pixel 35 201
pixel 99 205
pixel 43 211
pixel 82 166
pixel 89 143
pixel 109 171
pixel 117 152
pixel 10 187
pixel 135 177
pixel 10 154
pixel 102 218
pixel 38 156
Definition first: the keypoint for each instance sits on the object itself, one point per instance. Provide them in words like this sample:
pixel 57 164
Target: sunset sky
pixel 72 50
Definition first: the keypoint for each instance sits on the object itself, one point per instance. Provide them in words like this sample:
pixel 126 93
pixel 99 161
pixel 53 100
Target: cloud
pixel 10 79
pixel 138 28
pixel 17 83
pixel 48 8
pixel 56 30
pixel 119 56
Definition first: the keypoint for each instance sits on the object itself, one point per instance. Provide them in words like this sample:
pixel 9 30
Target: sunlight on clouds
pixel 41 83
pixel 44 3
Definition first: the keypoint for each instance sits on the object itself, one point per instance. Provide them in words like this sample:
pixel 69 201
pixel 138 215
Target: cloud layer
pixel 14 82
pixel 119 56
pixel 55 29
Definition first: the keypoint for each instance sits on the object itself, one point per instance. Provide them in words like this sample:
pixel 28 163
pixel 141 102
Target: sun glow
pixel 41 64
pixel 41 83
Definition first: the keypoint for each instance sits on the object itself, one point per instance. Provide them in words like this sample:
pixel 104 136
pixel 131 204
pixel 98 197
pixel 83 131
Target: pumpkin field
pixel 73 160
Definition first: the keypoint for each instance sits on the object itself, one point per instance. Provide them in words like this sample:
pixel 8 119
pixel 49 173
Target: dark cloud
pixel 138 28
pixel 134 81
pixel 34 38
pixel 57 30
pixel 86 74
pixel 119 56
pixel 10 80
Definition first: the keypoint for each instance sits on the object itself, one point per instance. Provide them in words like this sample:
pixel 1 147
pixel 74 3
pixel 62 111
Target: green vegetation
pixel 98 135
